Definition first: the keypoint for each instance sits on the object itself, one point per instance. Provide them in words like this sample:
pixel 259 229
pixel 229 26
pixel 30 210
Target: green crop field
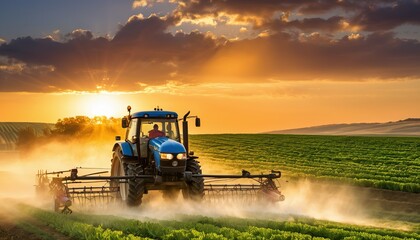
pixel 82 226
pixel 381 162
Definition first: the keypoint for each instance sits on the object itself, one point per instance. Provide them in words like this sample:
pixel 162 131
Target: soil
pixel 9 230
pixel 12 222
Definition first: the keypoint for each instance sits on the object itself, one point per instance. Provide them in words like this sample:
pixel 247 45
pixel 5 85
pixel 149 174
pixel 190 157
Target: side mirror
pixel 197 122
pixel 124 122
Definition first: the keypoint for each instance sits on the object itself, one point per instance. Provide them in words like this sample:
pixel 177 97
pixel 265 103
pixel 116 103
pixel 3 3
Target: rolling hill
pixel 407 127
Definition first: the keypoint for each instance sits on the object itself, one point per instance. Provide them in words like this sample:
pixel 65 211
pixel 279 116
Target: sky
pixel 243 66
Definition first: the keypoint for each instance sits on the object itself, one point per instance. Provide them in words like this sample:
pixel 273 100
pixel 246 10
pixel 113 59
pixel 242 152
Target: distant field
pixel 381 162
pixel 9 131
pixel 407 127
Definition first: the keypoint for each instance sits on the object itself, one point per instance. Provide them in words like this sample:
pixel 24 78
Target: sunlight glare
pixel 103 104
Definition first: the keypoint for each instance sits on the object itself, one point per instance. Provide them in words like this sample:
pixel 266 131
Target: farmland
pixel 381 162
pixel 9 132
pixel 384 163
pixel 83 226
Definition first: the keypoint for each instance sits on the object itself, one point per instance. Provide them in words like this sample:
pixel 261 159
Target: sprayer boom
pixel 93 189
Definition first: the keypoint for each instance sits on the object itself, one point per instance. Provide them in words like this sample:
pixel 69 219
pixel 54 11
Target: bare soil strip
pixel 15 224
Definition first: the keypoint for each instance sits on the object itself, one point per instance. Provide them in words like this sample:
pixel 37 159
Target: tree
pixel 73 126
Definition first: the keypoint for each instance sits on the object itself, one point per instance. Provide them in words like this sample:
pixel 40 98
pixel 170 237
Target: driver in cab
pixel 155 132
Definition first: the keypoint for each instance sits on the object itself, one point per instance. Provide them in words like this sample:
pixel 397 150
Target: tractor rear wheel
pixel 195 187
pixel 131 190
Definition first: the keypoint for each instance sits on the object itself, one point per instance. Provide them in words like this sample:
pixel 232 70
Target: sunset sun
pixel 102 104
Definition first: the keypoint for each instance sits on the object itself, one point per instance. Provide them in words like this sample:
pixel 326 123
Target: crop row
pixel 82 226
pixel 382 162
pixel 9 132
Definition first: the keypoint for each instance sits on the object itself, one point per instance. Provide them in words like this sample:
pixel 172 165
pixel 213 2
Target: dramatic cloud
pixel 80 34
pixel 280 57
pixel 331 24
pixel 283 41
pixel 261 8
pixel 390 16
pixel 369 15
pixel 140 53
pixel 140 3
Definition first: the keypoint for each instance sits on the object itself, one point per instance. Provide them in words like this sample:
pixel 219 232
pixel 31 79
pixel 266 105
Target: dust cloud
pixel 303 198
pixel 17 175
pixel 18 171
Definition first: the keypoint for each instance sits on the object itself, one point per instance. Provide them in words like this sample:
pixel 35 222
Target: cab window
pixel 132 129
pixel 168 126
pixel 171 130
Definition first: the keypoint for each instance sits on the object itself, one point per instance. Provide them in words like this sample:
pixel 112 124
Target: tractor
pixel 152 147
pixel 152 157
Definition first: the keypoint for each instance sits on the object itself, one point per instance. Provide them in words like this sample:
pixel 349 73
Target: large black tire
pixel 135 186
pixel 132 192
pixel 195 187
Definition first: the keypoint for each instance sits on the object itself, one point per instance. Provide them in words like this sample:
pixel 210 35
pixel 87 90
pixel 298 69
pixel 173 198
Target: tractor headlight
pixel 166 156
pixel 181 156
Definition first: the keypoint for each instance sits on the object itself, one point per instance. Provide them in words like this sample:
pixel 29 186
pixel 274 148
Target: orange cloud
pixel 281 45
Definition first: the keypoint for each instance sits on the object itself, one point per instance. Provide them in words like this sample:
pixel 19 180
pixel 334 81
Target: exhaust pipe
pixel 185 132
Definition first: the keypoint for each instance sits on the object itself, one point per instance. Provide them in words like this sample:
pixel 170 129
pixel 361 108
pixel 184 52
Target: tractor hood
pixel 166 145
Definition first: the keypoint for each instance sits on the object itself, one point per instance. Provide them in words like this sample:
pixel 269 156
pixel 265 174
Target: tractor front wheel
pixel 135 186
pixel 195 187
pixel 131 190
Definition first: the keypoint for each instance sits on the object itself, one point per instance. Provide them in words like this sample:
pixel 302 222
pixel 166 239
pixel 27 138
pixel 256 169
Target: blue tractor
pixel 152 147
pixel 153 157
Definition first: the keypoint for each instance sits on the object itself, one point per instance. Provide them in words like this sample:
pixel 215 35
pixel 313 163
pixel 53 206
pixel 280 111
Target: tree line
pixel 71 128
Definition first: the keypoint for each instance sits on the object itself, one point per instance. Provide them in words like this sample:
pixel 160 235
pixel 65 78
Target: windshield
pixel 158 127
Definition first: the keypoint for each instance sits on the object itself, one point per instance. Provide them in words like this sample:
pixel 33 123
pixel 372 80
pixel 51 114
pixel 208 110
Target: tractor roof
pixel 155 114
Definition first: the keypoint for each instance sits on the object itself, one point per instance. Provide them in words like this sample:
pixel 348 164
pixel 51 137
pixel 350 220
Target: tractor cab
pixel 153 139
pixel 166 122
pixel 147 125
